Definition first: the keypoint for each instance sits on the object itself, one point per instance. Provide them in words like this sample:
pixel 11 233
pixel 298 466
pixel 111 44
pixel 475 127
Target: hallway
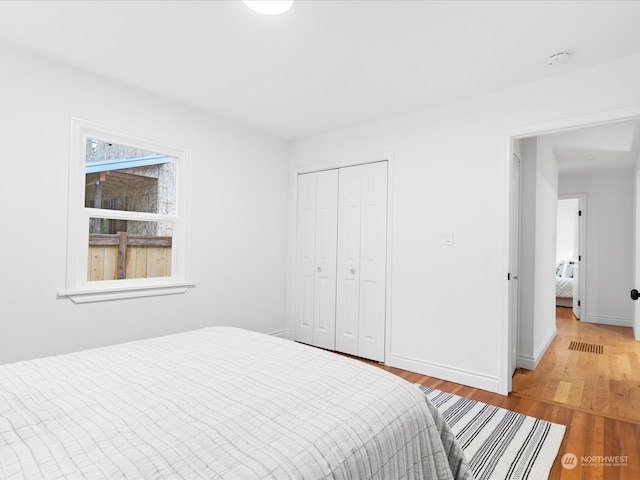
pixel 582 378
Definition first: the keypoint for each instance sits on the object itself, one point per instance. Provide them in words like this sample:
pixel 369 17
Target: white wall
pixel 539 198
pixel 610 248
pixel 527 272
pixel 238 215
pixel 544 329
pixel 449 314
pixel 567 211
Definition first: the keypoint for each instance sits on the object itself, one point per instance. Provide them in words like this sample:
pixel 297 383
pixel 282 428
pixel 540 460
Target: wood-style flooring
pixel 607 383
pixel 597 396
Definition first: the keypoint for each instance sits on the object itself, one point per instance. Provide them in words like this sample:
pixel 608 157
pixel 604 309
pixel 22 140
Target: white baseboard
pixel 529 362
pixel 616 321
pixel 464 377
pixel 526 362
pixel 285 333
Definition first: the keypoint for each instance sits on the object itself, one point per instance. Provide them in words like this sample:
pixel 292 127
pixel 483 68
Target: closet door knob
pixel 353 271
pixel 319 269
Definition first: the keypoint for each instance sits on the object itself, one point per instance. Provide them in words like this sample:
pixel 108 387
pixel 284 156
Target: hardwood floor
pixel 606 383
pixel 597 396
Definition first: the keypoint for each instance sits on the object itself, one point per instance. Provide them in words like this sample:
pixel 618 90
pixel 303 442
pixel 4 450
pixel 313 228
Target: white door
pixel 636 320
pixel 305 259
pixel 514 262
pixel 362 244
pixel 314 304
pixel 577 256
pixel 348 287
pixel 324 298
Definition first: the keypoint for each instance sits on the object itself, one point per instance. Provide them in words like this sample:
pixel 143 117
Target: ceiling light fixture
pixel 269 7
pixel 560 58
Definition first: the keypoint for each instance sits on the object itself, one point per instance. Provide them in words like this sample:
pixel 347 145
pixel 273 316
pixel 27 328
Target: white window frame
pixel 77 286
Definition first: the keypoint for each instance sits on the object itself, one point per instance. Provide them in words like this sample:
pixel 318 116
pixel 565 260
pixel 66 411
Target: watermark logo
pixel 605 460
pixel 569 461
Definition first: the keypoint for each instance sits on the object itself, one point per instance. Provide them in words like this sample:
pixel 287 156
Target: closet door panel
pixel 305 261
pixel 368 317
pixel 373 261
pixel 326 231
pixel 348 288
pixel 340 291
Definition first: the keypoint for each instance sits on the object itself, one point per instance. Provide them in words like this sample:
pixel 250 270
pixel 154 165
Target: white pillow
pixel 567 270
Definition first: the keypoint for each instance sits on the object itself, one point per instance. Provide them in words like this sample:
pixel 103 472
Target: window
pixel 127 216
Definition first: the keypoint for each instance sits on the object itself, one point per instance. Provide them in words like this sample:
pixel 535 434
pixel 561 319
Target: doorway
pixel 571 261
pixel 623 130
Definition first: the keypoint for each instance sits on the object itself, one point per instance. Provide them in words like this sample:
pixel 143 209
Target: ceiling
pixel 324 65
pixel 597 148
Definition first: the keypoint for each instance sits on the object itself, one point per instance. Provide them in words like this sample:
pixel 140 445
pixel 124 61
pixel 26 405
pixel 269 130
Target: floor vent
pixel 586 347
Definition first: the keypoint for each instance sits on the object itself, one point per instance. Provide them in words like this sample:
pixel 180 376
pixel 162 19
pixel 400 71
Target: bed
pixel 564 283
pixel 218 402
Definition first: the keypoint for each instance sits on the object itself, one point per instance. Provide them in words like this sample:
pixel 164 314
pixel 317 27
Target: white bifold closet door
pixel 341 245
pixel 361 262
pixel 315 295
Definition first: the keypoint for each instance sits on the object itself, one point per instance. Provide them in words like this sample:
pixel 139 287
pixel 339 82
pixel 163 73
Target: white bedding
pixel 564 287
pixel 564 279
pixel 217 403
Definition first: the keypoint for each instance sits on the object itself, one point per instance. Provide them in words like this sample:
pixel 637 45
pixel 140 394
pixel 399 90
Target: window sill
pixel 120 293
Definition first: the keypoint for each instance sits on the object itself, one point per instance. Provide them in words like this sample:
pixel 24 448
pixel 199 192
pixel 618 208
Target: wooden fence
pixel 120 255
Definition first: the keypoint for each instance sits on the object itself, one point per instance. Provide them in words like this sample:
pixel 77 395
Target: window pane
pixel 118 177
pixel 125 249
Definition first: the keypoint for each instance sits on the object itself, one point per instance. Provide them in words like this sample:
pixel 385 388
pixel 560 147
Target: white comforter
pixel 217 403
pixel 564 287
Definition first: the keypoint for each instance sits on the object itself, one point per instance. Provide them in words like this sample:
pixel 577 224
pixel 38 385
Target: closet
pixel 340 265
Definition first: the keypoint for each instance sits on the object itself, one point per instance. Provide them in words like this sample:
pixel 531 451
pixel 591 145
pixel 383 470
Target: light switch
pixel 448 239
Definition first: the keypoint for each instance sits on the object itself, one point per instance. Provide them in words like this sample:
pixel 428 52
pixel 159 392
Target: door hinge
pixel 579 258
pixel 508 276
pixel 578 302
pixel 579 213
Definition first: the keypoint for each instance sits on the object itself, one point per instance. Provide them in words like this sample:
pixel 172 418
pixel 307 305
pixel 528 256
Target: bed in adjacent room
pixel 218 402
pixel 564 283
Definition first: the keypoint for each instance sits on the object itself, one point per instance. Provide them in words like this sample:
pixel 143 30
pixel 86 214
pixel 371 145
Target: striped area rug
pixel 499 443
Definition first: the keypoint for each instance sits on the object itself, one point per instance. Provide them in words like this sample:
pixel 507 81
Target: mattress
pixel 217 403
pixel 564 287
